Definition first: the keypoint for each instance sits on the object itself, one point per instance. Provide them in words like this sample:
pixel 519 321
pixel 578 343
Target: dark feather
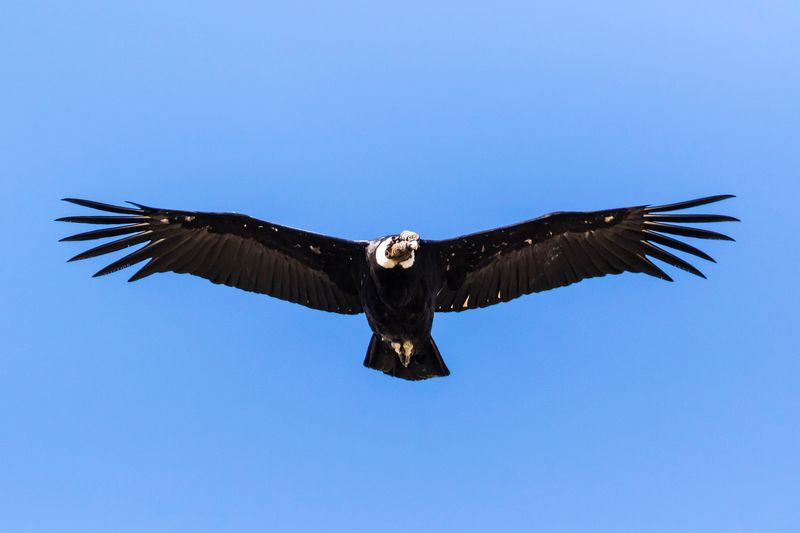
pixel 687 231
pixel 115 246
pixel 102 220
pixel 563 248
pixel 107 232
pixel 663 255
pixel 676 244
pixel 685 219
pixel 303 267
pixel 131 259
pixel 690 203
pixel 102 207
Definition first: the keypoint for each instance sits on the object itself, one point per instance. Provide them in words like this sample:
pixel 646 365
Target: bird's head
pixel 401 247
pixel 397 250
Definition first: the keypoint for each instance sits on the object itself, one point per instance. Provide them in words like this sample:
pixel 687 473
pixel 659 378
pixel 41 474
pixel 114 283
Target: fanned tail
pixel 426 362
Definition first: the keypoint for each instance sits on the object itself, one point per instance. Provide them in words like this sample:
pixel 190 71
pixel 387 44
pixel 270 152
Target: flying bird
pixel 399 281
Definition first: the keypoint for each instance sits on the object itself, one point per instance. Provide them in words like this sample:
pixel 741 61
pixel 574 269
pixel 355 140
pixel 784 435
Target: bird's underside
pixel 399 281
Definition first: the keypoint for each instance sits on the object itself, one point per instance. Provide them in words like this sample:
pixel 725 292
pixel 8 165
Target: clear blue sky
pixel 624 404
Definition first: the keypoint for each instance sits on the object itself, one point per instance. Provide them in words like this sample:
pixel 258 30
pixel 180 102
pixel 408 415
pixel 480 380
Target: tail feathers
pixel 426 362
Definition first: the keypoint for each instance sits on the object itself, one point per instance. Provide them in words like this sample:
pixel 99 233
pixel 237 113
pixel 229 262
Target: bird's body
pixel 399 303
pixel 399 281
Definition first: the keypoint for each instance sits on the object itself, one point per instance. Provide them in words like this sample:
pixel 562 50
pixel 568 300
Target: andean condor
pixel 398 281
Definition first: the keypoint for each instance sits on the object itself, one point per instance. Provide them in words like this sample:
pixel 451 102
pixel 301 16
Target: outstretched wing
pixel 486 268
pixel 306 268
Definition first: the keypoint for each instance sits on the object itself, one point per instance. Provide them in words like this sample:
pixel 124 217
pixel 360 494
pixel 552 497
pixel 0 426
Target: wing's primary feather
pixel 486 268
pixel 314 270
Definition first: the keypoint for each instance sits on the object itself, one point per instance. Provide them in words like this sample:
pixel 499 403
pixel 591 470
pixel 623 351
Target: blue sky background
pixel 623 404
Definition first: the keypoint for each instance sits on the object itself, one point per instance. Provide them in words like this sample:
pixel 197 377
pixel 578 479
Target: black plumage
pixel 399 281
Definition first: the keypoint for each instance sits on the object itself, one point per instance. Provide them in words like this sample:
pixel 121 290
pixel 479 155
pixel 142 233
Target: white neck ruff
pixel 385 262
